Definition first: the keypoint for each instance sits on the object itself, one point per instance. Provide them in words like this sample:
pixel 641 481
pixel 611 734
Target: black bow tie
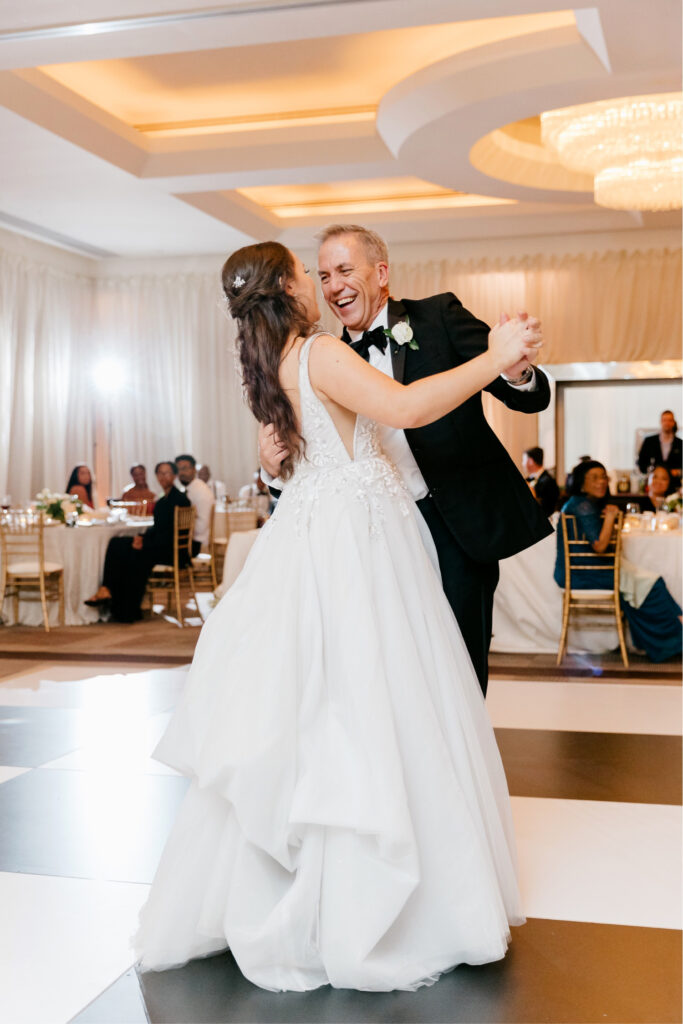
pixel 376 337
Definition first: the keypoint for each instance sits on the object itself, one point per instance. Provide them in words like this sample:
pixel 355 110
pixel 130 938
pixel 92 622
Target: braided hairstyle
pixel 254 280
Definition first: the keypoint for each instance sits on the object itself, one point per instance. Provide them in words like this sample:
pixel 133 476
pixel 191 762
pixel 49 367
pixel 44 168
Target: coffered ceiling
pixel 153 130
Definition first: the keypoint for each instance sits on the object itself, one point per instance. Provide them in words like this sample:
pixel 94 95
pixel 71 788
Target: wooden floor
pixel 162 642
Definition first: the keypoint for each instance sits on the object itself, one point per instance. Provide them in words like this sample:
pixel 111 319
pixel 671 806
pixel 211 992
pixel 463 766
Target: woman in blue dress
pixel 656 623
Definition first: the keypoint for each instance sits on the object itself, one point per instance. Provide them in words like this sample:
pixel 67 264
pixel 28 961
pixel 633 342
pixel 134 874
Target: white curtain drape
pixel 175 345
pixel 46 328
pixel 596 307
pixel 181 391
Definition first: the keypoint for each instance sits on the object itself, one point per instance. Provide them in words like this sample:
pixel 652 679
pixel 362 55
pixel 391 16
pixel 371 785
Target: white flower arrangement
pixel 402 334
pixel 58 506
pixel 672 503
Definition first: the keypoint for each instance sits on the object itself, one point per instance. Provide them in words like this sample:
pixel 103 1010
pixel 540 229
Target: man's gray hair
pixel 375 246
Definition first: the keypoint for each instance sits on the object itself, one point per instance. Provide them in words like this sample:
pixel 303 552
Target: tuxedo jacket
pixel 651 448
pixel 547 492
pixel 480 493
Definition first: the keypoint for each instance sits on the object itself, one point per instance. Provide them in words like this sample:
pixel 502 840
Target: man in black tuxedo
pixel 474 500
pixel 543 485
pixel 663 449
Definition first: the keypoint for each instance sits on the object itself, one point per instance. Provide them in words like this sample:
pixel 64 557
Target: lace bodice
pixel 369 476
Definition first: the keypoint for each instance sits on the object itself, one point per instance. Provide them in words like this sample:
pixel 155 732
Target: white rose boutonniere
pixel 402 334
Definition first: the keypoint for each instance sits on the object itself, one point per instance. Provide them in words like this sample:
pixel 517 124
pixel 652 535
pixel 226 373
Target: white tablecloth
pixel 81 550
pixel 527 612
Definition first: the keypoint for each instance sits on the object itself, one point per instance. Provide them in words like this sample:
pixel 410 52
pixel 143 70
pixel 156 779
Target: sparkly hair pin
pixel 238 282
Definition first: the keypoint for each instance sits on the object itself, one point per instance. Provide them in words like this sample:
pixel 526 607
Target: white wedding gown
pixel 348 819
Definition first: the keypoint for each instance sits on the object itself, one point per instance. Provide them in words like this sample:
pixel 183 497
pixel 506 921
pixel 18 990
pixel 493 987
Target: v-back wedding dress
pixel 348 819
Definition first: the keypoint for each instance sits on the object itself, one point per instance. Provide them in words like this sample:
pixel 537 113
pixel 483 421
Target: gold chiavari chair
pixel 579 556
pixel 25 573
pixel 204 564
pixel 236 519
pixel 171 578
pixel 133 508
pixel 241 519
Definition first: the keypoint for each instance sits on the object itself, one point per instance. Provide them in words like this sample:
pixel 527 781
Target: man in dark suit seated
pixel 663 449
pixel 471 495
pixel 129 560
pixel 543 485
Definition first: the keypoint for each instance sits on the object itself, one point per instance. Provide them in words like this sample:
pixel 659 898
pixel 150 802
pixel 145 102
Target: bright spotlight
pixel 108 376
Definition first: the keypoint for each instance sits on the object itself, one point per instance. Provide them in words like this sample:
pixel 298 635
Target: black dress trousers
pixel 469 587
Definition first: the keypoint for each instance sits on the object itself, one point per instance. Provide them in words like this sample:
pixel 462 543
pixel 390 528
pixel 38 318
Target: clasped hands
pixel 531 326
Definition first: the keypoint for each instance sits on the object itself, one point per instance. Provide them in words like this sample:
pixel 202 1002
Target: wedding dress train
pixel 348 819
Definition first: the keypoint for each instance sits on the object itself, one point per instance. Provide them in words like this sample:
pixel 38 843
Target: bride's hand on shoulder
pixel 514 343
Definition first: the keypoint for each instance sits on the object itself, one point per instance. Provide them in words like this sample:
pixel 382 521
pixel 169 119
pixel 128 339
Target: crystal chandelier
pixel 632 146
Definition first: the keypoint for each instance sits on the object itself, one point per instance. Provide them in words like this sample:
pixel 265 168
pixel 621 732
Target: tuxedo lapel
pixel 396 312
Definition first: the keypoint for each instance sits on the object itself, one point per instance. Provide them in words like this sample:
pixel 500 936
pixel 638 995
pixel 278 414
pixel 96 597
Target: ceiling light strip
pixel 95 28
pixel 246 120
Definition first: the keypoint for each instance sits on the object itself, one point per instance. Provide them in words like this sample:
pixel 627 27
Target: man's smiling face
pixel 354 288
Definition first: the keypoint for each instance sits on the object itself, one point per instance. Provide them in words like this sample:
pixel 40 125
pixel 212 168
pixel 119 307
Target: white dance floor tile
pixel 106 753
pixel 76 686
pixel 585 707
pixel 7 773
pixel 64 940
pixel 600 862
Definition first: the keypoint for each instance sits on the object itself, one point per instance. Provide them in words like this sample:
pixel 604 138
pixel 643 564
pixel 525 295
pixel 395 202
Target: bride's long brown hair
pixel 254 280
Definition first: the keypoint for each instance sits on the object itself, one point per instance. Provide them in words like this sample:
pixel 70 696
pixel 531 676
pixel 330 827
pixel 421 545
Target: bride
pixel 348 819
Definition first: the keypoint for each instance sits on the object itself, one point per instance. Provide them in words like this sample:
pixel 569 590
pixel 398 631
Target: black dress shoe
pixel 98 602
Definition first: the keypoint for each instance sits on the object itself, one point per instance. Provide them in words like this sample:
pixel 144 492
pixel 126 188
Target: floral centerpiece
pixel 62 507
pixel 672 502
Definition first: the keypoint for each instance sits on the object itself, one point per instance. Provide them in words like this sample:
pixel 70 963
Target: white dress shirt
pixel 201 497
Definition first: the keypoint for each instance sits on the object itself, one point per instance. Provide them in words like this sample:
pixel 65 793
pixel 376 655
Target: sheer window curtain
pixel 180 393
pixel 46 332
pixel 595 307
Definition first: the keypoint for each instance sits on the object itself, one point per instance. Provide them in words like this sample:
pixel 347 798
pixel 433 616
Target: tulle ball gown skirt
pixel 348 819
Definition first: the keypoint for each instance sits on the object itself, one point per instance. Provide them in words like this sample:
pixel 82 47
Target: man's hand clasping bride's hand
pixel 523 328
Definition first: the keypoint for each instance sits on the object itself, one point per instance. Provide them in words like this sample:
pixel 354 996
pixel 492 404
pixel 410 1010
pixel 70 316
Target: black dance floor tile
pixel 32 736
pixel 83 825
pixel 559 971
pixel 625 767
pixel 121 1003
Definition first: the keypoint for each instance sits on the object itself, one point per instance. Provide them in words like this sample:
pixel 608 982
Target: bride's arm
pixel 341 375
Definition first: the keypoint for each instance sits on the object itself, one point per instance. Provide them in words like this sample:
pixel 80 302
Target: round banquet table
pixel 81 550
pixel 527 610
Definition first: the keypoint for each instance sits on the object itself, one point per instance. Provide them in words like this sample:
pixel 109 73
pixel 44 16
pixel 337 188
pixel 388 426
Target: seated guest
pixel 129 560
pixel 653 616
pixel 659 486
pixel 217 487
pixel 259 497
pixel 663 449
pixel 199 494
pixel 138 490
pixel 80 484
pixel 542 484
